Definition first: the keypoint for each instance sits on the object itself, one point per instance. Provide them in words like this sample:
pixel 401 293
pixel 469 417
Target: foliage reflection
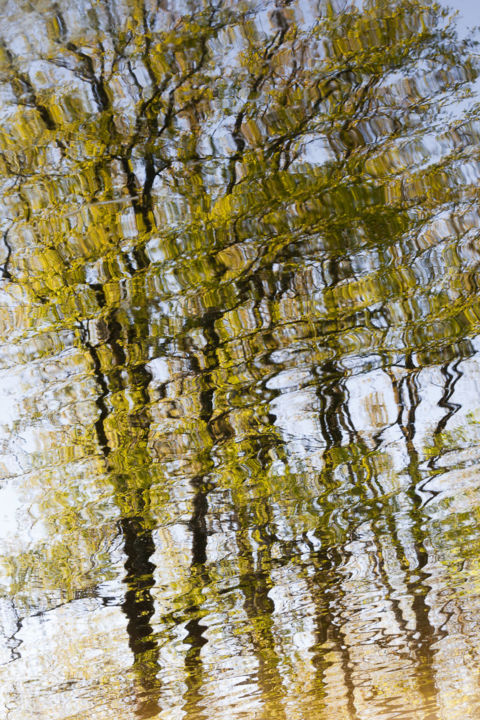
pixel 239 366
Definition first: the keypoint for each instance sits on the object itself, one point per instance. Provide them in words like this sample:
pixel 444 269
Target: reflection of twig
pixel 5 271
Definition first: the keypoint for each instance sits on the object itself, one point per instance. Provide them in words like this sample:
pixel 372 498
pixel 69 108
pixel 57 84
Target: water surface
pixel 239 360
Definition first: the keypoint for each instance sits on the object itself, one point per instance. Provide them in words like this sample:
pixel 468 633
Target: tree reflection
pixel 247 193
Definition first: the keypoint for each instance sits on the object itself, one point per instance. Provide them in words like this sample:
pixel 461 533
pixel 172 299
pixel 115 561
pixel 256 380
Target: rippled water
pixel 239 360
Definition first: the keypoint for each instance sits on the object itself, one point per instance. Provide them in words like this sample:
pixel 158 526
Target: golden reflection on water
pixel 239 361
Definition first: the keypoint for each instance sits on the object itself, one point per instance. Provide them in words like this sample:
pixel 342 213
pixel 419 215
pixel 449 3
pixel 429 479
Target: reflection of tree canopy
pixel 238 138
pixel 198 199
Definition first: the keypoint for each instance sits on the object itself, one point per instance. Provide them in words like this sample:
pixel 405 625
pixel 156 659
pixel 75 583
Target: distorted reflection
pixel 239 360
